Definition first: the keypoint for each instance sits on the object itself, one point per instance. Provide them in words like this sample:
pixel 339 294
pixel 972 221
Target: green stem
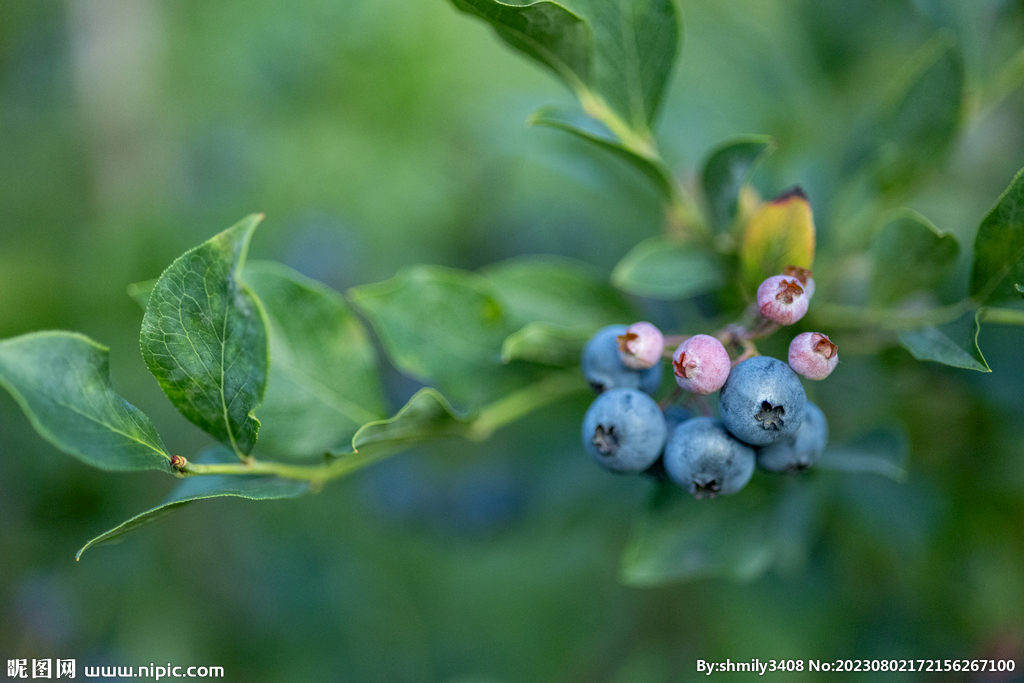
pixel 841 315
pixel 490 418
pixel 519 403
pixel 682 219
pixel 1002 316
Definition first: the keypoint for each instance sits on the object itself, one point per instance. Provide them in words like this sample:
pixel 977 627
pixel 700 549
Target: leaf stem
pixel 1002 316
pixel 842 315
pixel 490 418
pixel 519 403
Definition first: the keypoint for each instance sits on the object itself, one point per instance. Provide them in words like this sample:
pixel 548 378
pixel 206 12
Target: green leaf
pixel 561 291
pixel 545 343
pixel 954 344
pixel 204 338
pixel 661 268
pixel 910 254
pixel 592 130
pixel 727 169
pixel 616 55
pixel 201 487
pixel 323 382
pixel 427 415
pixel 884 452
pixel 546 31
pixel 635 45
pixel 921 121
pixel 62 382
pixel 738 537
pixel 443 326
pixel 999 247
pixel 559 302
pixel 781 233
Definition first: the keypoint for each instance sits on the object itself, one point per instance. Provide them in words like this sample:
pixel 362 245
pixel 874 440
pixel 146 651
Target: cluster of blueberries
pixel 766 418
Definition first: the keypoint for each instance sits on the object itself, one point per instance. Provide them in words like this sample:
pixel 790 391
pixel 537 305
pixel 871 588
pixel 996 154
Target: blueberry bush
pixel 241 347
pixel 752 294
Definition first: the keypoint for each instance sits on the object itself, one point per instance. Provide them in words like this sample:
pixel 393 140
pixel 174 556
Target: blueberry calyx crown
pixel 606 441
pixel 706 490
pixel 684 367
pixel 770 416
pixel 788 291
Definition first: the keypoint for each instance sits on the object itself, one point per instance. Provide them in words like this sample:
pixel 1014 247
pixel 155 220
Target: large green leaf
pixel 443 326
pixel 954 344
pixel 204 338
pixel 661 268
pixel 546 31
pixel 616 55
pixel 910 254
pixel 999 247
pixel 323 382
pixel 635 45
pixel 198 488
pixel 726 170
pixel 560 291
pixel 62 382
pixel 590 129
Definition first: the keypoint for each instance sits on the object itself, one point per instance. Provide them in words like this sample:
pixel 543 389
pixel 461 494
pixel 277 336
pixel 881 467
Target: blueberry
pixel 813 355
pixel 782 299
pixel 708 461
pixel 801 450
pixel 701 364
pixel 804 276
pixel 624 430
pixel 604 369
pixel 762 401
pixel 640 346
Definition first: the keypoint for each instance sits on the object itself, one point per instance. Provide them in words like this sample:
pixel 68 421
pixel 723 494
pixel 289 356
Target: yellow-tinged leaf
pixel 748 204
pixel 779 234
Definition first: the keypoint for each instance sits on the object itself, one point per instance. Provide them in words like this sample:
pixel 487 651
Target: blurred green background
pixel 379 134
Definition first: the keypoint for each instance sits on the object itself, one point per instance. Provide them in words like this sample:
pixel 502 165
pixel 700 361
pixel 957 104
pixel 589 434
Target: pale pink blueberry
pixel 701 364
pixel 641 346
pixel 813 355
pixel 782 299
pixel 804 276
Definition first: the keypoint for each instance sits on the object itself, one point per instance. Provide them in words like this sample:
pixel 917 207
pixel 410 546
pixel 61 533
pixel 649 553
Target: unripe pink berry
pixel 782 299
pixel 813 355
pixel 641 346
pixel 804 276
pixel 701 364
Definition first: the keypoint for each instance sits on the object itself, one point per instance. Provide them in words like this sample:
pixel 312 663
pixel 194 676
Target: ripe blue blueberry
pixel 801 450
pixel 604 369
pixel 624 430
pixel 708 461
pixel 762 401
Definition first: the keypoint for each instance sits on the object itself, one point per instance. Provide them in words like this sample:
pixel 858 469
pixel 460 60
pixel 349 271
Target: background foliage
pixel 379 135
